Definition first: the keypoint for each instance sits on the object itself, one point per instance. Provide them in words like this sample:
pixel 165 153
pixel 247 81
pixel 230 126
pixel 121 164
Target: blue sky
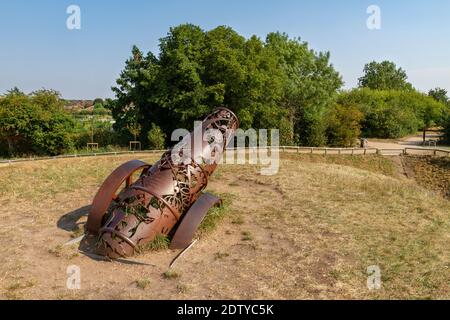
pixel 37 50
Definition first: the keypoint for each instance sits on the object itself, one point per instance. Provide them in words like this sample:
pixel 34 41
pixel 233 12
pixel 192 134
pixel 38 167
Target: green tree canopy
pixel 439 94
pixel 384 76
pixel 276 83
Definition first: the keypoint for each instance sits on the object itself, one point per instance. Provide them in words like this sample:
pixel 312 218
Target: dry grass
pixel 315 227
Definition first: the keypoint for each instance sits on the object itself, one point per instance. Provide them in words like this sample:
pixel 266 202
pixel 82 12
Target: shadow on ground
pixel 70 221
pixel 75 221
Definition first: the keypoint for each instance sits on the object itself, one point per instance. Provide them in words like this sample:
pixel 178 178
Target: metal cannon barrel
pixel 161 201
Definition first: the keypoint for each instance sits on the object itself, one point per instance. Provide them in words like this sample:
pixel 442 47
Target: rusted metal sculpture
pixel 167 198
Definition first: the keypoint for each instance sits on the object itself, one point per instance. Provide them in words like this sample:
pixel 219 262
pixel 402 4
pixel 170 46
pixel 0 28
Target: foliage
pixel 98 106
pixel 134 129
pixel 34 123
pixel 156 138
pixel 98 101
pixel 309 87
pixel 393 113
pixel 439 94
pixel 384 76
pixel 102 135
pixel 344 125
pixel 101 111
pixel 276 83
pixel 160 242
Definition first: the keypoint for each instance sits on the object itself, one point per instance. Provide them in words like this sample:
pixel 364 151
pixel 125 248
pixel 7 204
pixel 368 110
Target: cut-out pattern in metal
pixel 163 195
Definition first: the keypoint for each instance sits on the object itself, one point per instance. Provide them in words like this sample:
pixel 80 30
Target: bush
pixel 101 111
pixel 103 136
pixel 392 114
pixel 344 125
pixel 156 138
pixel 35 123
pixel 311 128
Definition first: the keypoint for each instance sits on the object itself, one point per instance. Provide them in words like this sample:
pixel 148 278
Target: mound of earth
pixel 310 231
pixel 430 172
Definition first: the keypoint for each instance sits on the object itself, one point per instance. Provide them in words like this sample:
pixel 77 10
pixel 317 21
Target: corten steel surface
pixel 164 197
pixel 194 216
pixel 108 190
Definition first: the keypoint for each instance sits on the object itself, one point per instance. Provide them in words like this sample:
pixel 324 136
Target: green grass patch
pixel 161 242
pixel 170 275
pixel 142 283
pixel 215 215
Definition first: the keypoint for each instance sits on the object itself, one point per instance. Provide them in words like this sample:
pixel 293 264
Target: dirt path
pixel 414 141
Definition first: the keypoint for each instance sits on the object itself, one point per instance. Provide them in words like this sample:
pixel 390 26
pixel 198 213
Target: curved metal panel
pixel 192 220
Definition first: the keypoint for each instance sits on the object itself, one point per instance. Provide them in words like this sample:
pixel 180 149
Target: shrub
pixel 35 123
pixel 393 114
pixel 344 125
pixel 102 135
pixel 156 138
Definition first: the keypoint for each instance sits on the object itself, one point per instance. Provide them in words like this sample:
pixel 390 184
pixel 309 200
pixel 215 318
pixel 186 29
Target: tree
pixel 35 123
pixel 98 101
pixel 264 83
pixel 439 94
pixel 310 85
pixel 393 114
pixel 156 138
pixel 384 76
pixel 135 129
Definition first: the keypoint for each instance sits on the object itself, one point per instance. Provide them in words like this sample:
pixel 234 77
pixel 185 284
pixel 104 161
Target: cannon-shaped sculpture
pixel 167 199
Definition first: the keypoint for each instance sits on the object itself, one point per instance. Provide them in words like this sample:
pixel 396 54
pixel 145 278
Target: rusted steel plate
pixel 191 221
pixel 108 190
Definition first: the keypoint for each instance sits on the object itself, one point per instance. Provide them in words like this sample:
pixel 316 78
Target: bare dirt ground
pixel 430 172
pixel 308 232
